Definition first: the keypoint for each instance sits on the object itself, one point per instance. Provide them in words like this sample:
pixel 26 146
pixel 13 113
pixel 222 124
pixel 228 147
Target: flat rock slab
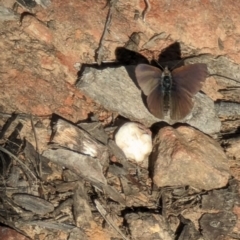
pixel 32 203
pixel 148 226
pixel 217 225
pixel 185 156
pixel 115 88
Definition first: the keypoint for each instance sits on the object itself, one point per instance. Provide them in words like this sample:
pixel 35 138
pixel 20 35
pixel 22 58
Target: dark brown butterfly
pixel 171 90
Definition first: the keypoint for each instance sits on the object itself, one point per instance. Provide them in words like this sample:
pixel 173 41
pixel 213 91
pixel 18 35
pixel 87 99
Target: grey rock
pixel 116 89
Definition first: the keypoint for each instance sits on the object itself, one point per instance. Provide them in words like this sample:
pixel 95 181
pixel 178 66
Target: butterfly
pixel 170 90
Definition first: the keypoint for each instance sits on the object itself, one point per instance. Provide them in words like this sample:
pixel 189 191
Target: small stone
pixel 184 156
pixel 148 226
pixel 135 140
pixel 217 225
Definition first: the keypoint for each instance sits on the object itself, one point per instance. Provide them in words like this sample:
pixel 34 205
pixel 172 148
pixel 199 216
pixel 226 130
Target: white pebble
pixel 135 140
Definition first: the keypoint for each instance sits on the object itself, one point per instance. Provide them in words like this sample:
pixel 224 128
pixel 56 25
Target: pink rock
pixel 10 234
pixel 184 156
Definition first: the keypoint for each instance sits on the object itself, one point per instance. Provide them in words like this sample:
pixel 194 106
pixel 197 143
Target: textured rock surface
pixel 43 49
pixel 36 66
pixel 184 156
pixel 217 225
pixel 157 227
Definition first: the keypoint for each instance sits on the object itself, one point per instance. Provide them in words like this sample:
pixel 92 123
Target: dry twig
pixel 18 160
pixel 37 149
pixel 108 219
pixel 146 10
pixel 99 51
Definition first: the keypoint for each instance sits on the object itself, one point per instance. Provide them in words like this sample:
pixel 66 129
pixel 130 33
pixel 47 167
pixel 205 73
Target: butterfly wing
pixel 190 77
pixel 187 81
pixel 180 104
pixel 149 79
pixel 155 103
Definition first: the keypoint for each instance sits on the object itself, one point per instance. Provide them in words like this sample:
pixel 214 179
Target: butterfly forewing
pixel 190 77
pixel 148 77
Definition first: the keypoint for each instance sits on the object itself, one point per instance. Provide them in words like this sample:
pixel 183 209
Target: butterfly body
pixel 165 87
pixel 166 80
pixel 168 91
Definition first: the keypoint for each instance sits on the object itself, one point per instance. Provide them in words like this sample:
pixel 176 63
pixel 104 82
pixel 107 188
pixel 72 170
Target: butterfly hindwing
pixel 187 81
pixel 149 79
pixel 155 103
pixel 180 103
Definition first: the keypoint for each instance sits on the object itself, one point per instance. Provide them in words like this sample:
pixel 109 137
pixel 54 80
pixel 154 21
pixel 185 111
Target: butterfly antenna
pixel 158 64
pixel 177 64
